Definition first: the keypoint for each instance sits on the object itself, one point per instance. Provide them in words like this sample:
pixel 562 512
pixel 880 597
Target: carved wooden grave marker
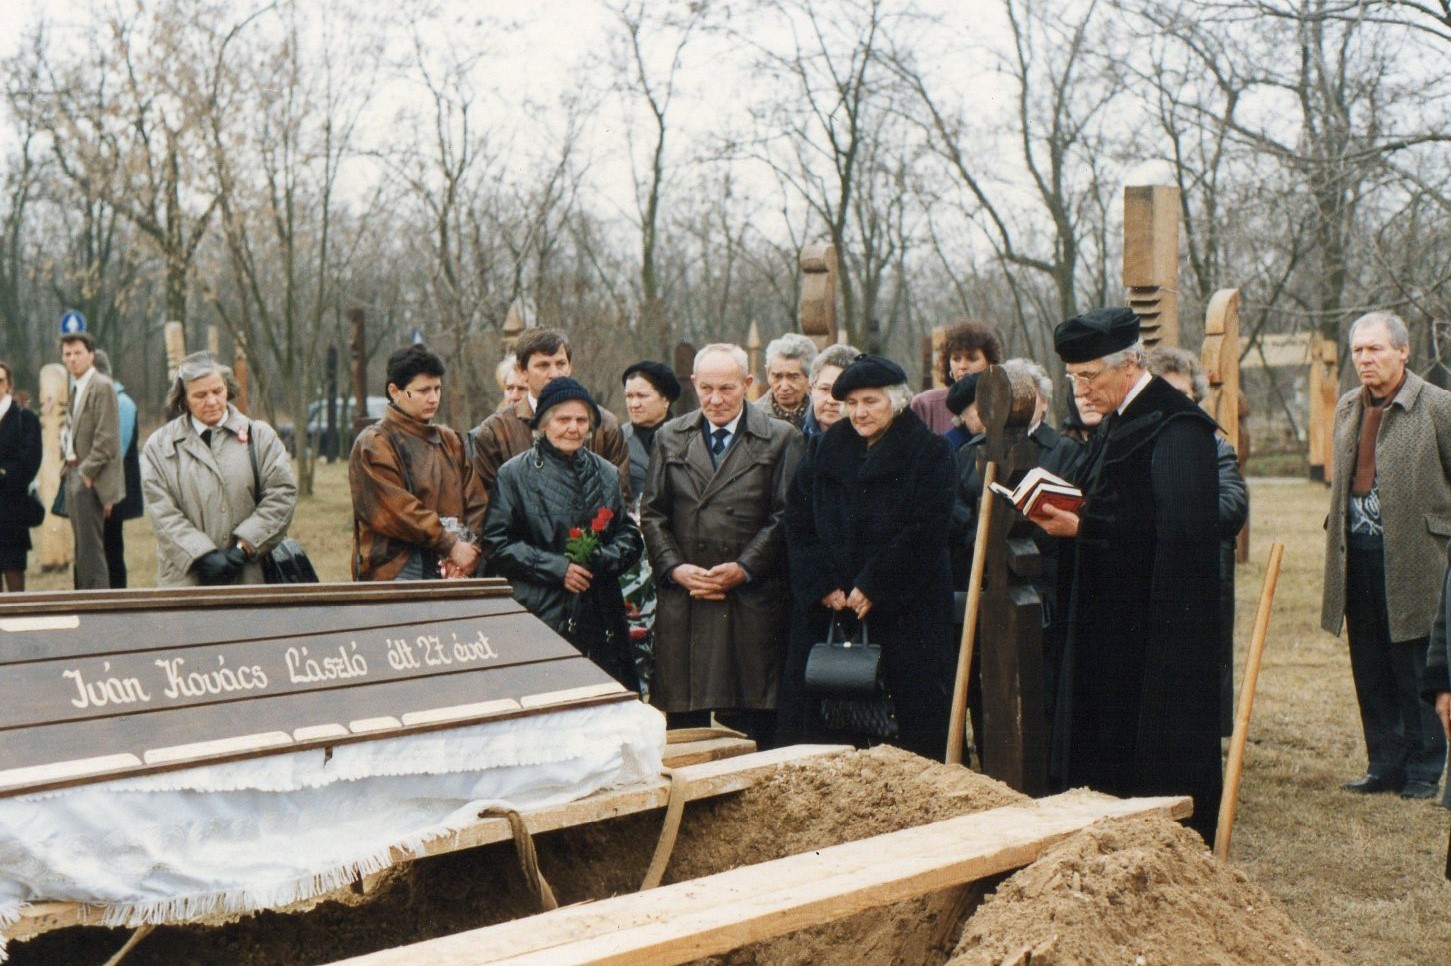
pixel 1220 357
pixel 1151 260
pixel 1014 743
pixel 1324 392
pixel 120 683
pixel 818 294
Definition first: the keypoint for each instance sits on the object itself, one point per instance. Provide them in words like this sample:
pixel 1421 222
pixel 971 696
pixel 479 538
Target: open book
pixel 1039 487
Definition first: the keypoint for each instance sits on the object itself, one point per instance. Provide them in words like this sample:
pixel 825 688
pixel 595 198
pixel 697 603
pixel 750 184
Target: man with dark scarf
pixel 1385 542
pixel 788 396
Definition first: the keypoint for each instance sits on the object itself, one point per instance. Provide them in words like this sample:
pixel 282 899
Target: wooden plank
pixel 708 749
pixel 707 780
pixel 703 917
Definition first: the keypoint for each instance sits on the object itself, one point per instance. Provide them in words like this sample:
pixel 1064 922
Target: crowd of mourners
pixel 716 560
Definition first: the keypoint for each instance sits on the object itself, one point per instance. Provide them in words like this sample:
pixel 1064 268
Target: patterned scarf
pixel 1369 427
pixel 796 417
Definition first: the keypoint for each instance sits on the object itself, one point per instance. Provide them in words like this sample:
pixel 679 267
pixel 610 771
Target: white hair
pixel 1034 372
pixel 901 396
pixel 837 354
pixel 792 345
pixel 1397 329
pixel 506 365
pixel 728 348
pixel 1135 353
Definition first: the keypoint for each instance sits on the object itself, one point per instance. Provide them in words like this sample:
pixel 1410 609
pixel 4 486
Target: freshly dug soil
pixel 1156 887
pixel 1132 891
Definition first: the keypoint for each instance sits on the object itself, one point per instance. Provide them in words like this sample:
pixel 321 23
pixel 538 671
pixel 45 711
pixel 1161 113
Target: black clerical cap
pixel 1096 334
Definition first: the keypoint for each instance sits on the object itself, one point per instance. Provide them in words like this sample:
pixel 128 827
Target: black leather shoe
pixel 1370 784
pixel 1418 790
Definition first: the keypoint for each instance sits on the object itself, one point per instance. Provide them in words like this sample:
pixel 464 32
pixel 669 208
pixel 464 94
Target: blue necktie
pixel 718 443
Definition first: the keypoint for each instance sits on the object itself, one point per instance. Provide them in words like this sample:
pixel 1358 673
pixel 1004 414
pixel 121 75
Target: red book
pixel 1038 488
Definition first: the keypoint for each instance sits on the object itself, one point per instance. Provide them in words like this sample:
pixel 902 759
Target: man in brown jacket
pixel 543 355
pixel 715 500
pixel 418 507
pixel 95 479
pixel 1385 546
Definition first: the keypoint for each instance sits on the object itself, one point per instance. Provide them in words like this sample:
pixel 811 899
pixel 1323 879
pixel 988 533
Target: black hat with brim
pixel 561 390
pixel 1096 334
pixel 657 374
pixel 963 393
pixel 867 372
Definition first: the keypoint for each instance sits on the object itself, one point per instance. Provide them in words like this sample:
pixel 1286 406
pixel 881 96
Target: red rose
pixel 602 519
pixel 575 533
pixel 638 633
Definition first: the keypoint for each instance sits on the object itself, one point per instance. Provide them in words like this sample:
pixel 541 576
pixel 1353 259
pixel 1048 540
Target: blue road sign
pixel 72 321
pixel 418 337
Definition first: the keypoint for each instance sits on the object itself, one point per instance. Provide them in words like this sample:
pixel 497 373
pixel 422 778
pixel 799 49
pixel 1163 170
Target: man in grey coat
pixel 91 451
pixel 1385 540
pixel 712 513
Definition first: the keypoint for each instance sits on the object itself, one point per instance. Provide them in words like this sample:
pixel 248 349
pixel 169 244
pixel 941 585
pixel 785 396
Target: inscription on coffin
pixel 218 676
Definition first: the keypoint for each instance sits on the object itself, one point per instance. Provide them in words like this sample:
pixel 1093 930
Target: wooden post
pixel 753 354
pixel 243 376
pixel 1014 743
pixel 1220 357
pixel 360 372
pixel 818 294
pixel 685 362
pixel 55 533
pixel 214 341
pixel 1324 392
pixel 1151 260
pixel 175 336
pixel 513 325
pixel 930 345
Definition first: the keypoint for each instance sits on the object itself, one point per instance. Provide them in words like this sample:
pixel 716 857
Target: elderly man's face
pixel 1379 364
pixel 721 385
pixel 1099 387
pixel 516 386
pixel 787 378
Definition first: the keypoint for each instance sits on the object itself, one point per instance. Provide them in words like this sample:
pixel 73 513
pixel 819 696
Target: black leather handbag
pixel 839 667
pixel 286 563
pixel 33 510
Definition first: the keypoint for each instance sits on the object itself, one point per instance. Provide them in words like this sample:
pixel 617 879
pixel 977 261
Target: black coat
pixel 872 519
pixel 538 496
pixel 20 455
pixel 1140 715
pixel 1233 512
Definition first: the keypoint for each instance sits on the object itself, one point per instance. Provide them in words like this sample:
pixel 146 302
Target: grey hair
pixel 1135 353
pixel 792 345
pixel 506 365
pixel 1400 336
pixel 730 349
pixel 838 354
pixel 901 397
pixel 102 362
pixel 594 423
pixel 1166 360
pixel 196 366
pixel 1035 372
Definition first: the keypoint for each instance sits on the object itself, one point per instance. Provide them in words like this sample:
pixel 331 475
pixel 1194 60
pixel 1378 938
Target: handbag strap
pixel 256 473
pixel 836 623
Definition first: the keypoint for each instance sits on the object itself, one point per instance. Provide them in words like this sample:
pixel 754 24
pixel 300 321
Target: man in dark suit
pixel 1139 710
pixel 91 448
pixel 715 499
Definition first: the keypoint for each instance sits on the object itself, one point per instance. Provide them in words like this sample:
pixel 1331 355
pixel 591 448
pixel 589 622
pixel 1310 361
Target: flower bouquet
pixel 583 543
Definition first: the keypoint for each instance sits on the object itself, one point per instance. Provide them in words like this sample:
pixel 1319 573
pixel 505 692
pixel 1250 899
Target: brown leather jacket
pixel 506 434
pixel 405 475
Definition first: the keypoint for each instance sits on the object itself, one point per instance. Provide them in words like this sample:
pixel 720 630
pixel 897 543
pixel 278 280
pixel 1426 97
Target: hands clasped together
pixel 712 584
pixel 856 602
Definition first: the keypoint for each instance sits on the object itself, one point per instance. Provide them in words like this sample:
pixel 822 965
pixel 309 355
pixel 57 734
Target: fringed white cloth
pixel 269 831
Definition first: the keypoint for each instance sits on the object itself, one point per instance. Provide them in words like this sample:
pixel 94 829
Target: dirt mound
pixel 1107 895
pixel 1133 891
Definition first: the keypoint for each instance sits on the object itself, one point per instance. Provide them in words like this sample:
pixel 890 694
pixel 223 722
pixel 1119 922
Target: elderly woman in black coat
pixel 867 537
pixel 19 462
pixel 557 528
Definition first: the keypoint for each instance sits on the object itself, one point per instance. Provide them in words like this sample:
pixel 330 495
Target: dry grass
pixel 1363 875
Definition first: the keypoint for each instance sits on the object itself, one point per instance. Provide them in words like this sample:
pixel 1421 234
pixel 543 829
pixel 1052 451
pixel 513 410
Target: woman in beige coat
pixel 215 509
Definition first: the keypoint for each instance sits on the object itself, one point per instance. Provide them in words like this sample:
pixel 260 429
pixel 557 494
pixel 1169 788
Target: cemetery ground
pixel 1362 875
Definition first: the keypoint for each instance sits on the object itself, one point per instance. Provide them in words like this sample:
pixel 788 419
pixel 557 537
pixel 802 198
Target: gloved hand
pixel 238 558
pixel 215 568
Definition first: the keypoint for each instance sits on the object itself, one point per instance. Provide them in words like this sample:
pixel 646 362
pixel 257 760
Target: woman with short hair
pixel 556 527
pixel 218 486
pixel 866 532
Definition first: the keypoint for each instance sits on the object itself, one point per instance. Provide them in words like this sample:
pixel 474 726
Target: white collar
pixel 85 380
pixel 5 404
pixel 202 427
pixel 533 402
pixel 729 427
pixel 1144 379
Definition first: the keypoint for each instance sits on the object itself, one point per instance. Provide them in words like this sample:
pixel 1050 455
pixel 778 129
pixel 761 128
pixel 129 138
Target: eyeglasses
pixel 1084 378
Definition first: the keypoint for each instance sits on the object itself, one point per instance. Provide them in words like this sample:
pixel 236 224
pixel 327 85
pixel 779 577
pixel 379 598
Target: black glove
pixel 238 559
pixel 215 568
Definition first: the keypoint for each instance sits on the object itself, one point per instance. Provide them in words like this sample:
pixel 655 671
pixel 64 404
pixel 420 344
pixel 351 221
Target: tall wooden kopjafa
pixel 753 357
pixel 359 349
pixel 1220 357
pixel 174 335
pixel 1324 391
pixel 818 294
pixel 55 534
pixel 1014 742
pixel 1151 260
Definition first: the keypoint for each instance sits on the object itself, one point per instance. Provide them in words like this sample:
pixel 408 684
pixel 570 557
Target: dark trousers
pixel 1403 738
pixel 115 540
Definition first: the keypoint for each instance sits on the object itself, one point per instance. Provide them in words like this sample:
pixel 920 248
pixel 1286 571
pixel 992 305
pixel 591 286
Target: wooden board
pixel 707 780
pixel 703 917
pixel 118 683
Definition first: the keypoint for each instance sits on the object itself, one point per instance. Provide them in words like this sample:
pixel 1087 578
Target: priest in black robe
pixel 1138 712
